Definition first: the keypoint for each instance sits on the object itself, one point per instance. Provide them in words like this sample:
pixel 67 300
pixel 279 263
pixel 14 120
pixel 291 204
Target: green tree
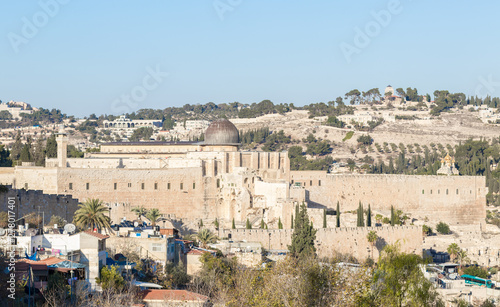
pixel 233 226
pixel 399 281
pixel 168 123
pixel 369 216
pixel 15 152
pixel 139 211
pixel 51 147
pixel 142 133
pixel 5 160
pixel 453 250
pixel 39 153
pixel 92 214
pixel 26 155
pixel 361 216
pixel 216 223
pixel 338 214
pixel 303 236
pixel 372 238
pixel 393 216
pixel 248 225
pixel 292 223
pixel 426 230
pixel 365 139
pixel 280 224
pixel 443 228
pixel 477 271
pixel 178 275
pixel 205 237
pixel 110 279
pixel 153 215
pixel 262 224
pixel 324 218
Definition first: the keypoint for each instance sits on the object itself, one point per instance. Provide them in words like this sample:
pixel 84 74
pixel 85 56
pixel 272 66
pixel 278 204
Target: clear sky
pixel 118 56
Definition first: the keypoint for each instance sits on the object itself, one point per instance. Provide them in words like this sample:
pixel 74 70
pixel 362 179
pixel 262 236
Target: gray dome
pixel 221 131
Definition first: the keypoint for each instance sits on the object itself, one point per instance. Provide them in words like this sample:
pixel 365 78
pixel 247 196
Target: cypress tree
pixel 234 225
pixel 216 223
pixel 338 214
pixel 201 223
pixel 303 236
pixel 369 217
pixel 26 152
pixel 292 222
pixel 249 226
pixel 262 224
pixel 361 220
pixel 324 218
pixel 280 224
pixel 15 152
pixel 51 147
pixel 393 216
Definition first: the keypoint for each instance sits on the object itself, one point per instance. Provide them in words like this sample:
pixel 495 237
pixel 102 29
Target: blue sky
pixel 85 56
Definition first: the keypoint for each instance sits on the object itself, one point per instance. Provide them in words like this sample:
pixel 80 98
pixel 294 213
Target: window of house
pixel 71 185
pixel 142 186
pixel 319 182
pixel 194 185
pixel 310 183
pixel 156 247
pixel 129 184
pixel 218 183
pixel 87 185
pixel 182 185
pixel 446 191
pixel 457 191
pixel 156 185
pixel 168 186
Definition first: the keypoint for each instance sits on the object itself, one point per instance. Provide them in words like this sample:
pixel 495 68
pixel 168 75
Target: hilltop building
pixel 447 166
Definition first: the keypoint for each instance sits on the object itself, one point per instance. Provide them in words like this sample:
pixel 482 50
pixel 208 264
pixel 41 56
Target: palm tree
pixel 372 238
pixel 153 215
pixel 140 211
pixel 91 214
pixel 453 250
pixel 205 237
pixel 462 257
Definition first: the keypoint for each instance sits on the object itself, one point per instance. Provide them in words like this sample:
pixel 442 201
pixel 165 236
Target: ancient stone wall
pixel 172 191
pixel 30 201
pixel 452 199
pixel 344 240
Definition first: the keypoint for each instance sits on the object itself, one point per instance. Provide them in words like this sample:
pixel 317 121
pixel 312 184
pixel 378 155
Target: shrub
pixel 443 228
pixel 427 230
pixel 348 136
pixel 476 271
pixel 365 139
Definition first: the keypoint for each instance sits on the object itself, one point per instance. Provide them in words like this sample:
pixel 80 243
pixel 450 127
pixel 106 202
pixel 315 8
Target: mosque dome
pixel 220 132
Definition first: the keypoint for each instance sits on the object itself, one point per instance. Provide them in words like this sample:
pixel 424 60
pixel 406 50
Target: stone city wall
pixel 30 201
pixel 173 191
pixel 452 199
pixel 344 240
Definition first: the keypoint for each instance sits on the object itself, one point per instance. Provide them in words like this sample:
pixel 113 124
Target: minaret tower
pixel 62 146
